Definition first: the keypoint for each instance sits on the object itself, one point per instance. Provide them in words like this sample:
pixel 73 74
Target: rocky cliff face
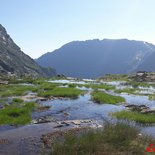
pixel 14 61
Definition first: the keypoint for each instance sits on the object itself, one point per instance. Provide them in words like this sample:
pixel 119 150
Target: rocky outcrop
pixel 143 76
pixel 140 108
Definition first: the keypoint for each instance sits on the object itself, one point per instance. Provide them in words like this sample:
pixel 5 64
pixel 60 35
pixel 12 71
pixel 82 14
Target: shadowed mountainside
pixel 14 61
pixel 94 58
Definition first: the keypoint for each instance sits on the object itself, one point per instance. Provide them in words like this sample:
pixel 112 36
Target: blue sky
pixel 40 26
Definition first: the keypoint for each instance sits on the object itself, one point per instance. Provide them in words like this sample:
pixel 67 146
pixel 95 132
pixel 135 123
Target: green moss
pixel 101 97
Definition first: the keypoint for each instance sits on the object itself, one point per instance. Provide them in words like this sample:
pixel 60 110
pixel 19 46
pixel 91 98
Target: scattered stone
pixel 1 106
pixel 44 108
pixel 137 108
pixel 42 120
pixel 66 114
pixel 4 141
pixel 41 99
pixel 149 111
pixel 4 82
pixel 76 122
pixel 59 126
pixel 140 108
pixel 67 124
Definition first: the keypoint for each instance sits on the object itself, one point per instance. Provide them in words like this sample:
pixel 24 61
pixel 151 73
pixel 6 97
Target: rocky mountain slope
pixel 14 62
pixel 94 58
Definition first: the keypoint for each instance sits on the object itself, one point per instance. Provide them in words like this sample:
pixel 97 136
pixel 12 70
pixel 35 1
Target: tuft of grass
pixel 72 85
pixel 102 97
pixel 135 116
pixel 62 92
pixel 17 114
pixel 119 139
pixel 17 100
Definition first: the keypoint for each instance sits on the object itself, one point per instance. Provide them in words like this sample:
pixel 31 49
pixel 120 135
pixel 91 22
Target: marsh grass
pixel 16 90
pixel 118 139
pixel 17 100
pixel 62 92
pixel 127 90
pixel 100 86
pixel 17 113
pixel 102 97
pixel 115 77
pixel 135 116
pixel 47 86
pixel 136 84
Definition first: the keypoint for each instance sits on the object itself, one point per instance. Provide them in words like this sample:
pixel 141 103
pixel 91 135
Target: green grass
pixel 93 86
pixel 17 100
pixel 47 86
pixel 115 77
pixel 72 85
pixel 62 92
pixel 136 84
pixel 135 116
pixel 101 97
pixel 15 90
pixel 100 86
pixel 127 90
pixel 17 113
pixel 119 139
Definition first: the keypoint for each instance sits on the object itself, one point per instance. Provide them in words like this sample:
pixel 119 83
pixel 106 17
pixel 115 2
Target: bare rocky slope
pixel 14 62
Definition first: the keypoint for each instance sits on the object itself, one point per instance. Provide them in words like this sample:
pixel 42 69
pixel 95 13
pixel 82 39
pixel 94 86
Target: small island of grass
pixel 102 97
pixel 62 92
pixel 135 116
pixel 17 113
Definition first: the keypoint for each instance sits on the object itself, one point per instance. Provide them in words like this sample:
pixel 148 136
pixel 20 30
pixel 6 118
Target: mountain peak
pixel 94 58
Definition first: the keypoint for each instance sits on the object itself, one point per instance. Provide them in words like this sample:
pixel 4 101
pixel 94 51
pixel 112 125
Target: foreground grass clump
pixel 62 92
pixel 17 113
pixel 101 97
pixel 119 139
pixel 135 116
